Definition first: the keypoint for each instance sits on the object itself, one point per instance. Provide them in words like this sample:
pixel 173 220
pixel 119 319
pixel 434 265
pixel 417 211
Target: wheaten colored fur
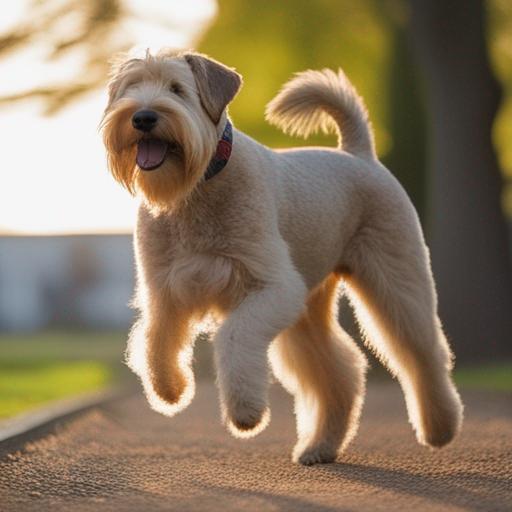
pixel 262 247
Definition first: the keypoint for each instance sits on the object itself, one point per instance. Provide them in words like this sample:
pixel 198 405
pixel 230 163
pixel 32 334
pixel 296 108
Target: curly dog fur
pixel 263 248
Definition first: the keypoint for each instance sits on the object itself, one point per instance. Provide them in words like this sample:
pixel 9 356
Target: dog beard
pixel 165 165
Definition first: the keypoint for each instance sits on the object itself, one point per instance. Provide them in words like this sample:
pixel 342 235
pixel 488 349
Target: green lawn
pixel 41 367
pixel 493 377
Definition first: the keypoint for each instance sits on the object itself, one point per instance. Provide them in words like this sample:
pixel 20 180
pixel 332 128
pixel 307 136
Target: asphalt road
pixel 123 456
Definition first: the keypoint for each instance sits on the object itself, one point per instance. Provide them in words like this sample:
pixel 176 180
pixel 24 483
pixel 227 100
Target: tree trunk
pixel 467 228
pixel 407 122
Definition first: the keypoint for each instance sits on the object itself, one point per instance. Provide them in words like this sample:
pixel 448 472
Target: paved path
pixel 125 457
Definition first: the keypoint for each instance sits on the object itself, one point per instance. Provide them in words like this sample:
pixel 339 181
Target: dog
pixel 262 242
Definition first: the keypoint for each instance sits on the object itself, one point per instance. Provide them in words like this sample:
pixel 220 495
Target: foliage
pixel 493 377
pixel 268 42
pixel 86 30
pixel 499 14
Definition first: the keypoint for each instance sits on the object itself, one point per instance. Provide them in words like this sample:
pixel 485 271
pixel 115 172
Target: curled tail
pixel 324 100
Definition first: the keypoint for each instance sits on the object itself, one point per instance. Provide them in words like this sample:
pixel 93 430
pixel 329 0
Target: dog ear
pixel 217 83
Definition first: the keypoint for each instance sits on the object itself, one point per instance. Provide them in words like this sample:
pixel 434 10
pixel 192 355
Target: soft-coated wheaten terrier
pixel 260 240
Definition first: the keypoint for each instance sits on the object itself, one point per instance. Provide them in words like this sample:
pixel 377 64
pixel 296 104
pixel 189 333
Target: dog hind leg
pixel 318 362
pixel 392 291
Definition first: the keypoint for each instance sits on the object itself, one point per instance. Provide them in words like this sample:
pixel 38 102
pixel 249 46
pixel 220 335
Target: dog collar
pixel 222 153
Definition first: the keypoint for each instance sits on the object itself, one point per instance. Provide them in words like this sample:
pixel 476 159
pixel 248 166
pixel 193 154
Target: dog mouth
pixel 151 153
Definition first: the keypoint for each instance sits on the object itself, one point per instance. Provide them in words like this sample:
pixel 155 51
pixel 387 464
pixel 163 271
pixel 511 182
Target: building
pixel 65 281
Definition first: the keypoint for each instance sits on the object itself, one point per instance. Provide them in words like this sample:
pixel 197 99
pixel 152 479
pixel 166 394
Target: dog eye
pixel 176 88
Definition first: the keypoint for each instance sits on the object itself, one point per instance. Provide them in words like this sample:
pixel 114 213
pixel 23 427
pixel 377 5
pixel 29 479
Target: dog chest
pixel 206 280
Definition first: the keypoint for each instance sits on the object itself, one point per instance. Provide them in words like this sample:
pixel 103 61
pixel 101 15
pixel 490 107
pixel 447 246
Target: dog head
pixel 162 122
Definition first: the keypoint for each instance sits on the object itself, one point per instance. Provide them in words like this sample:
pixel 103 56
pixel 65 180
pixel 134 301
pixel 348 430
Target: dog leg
pixel 392 291
pixel 318 362
pixel 241 347
pixel 160 352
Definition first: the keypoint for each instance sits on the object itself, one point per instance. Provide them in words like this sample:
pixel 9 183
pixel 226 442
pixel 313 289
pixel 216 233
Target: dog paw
pixel 441 419
pixel 439 431
pixel 246 420
pixel 170 390
pixel 169 398
pixel 318 454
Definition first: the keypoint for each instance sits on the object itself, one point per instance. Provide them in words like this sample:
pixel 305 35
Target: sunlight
pixel 54 175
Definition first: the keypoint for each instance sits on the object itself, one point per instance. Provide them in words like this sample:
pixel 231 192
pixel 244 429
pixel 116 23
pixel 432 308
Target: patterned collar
pixel 222 154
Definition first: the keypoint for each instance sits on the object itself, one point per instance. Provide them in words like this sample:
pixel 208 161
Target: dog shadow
pixel 277 501
pixel 472 491
pixel 468 491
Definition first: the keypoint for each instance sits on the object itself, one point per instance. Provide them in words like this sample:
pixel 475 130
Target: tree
pixel 407 156
pixel 91 32
pixel 369 39
pixel 468 231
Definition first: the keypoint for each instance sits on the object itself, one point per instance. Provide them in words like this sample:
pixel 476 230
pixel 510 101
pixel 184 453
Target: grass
pixel 492 377
pixel 42 367
pixel 25 386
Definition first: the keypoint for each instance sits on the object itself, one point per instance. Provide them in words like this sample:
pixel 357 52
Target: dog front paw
pixel 170 396
pixel 170 389
pixel 245 419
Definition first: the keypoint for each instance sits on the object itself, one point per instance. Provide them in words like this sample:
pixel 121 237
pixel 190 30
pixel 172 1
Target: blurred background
pixel 437 79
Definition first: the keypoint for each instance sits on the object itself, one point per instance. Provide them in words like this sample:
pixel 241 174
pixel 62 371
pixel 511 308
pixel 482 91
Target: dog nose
pixel 144 120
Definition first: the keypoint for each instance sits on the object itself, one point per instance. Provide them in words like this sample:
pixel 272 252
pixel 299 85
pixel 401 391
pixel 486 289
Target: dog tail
pixel 326 101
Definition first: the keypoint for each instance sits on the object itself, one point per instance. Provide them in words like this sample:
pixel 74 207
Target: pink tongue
pixel 151 153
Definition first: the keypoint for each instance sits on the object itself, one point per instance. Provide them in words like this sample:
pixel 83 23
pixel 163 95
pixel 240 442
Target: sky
pixel 53 173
